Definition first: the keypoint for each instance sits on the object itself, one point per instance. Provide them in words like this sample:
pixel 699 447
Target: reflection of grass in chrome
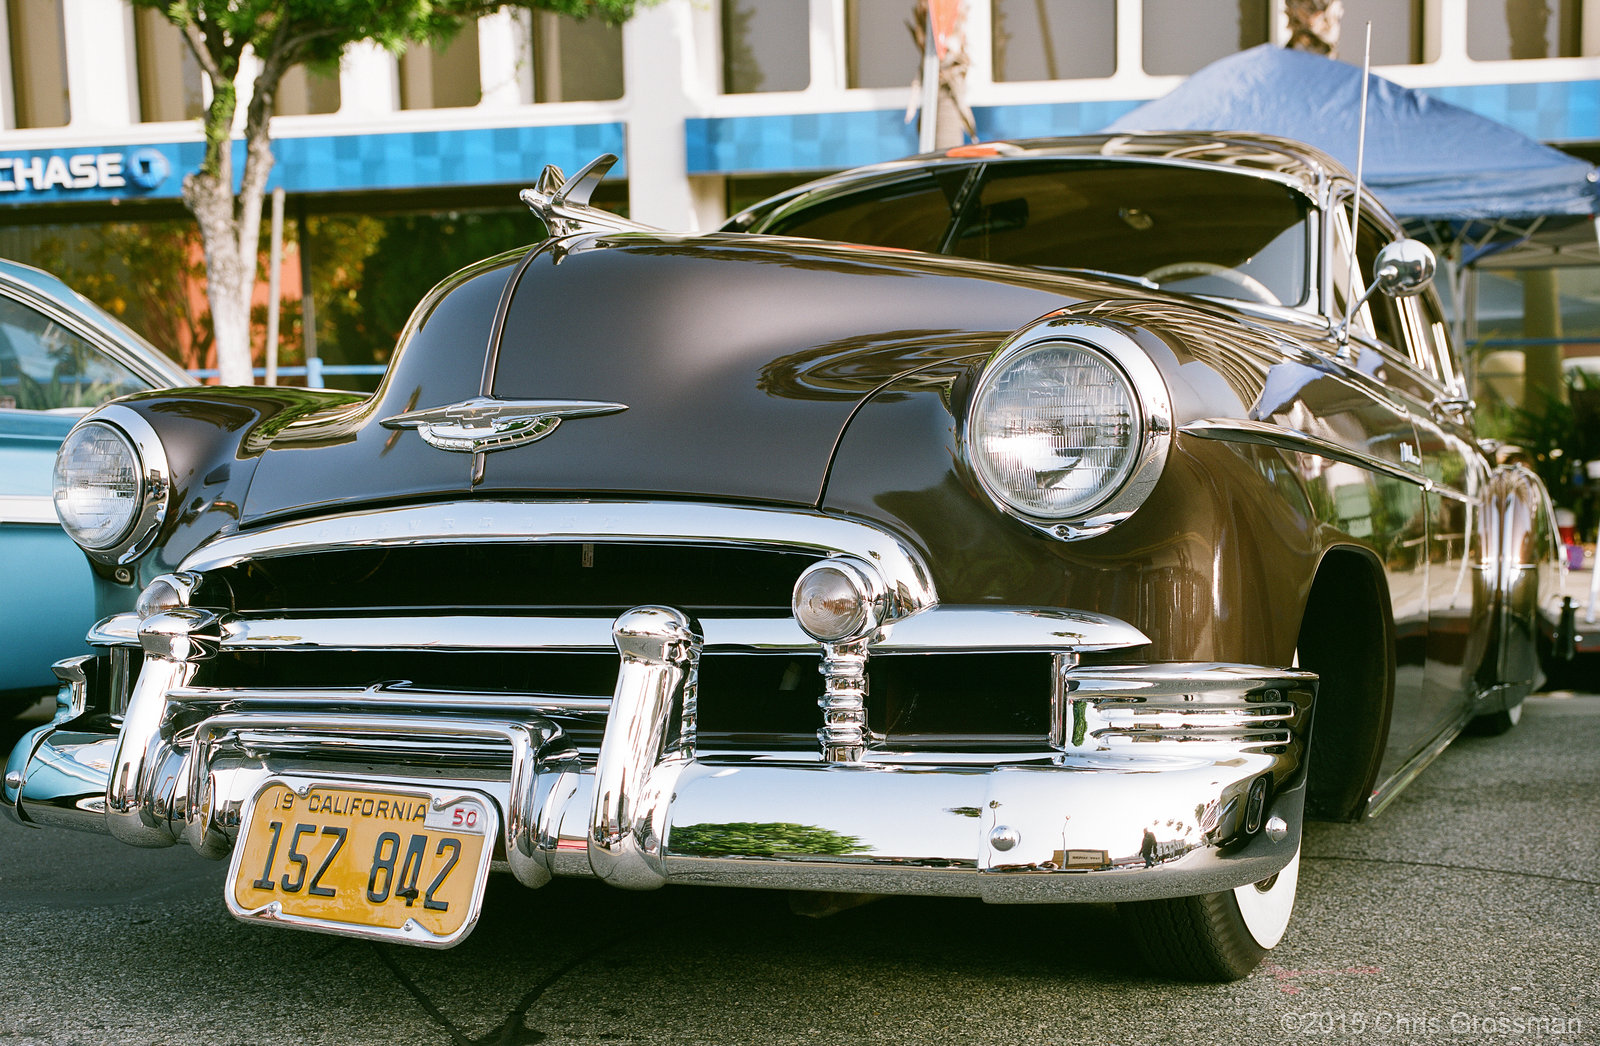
pixel 761 839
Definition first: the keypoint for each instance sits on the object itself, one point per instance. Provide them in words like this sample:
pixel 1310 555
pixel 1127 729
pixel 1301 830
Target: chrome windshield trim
pixel 538 522
pixel 1262 434
pixel 28 508
pixel 941 630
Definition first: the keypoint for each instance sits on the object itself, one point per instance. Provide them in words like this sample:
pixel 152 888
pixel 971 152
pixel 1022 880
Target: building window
pixel 1524 29
pixel 169 77
pixel 443 75
pixel 38 63
pixel 575 61
pixel 1054 39
pixel 1181 36
pixel 766 46
pixel 303 92
pixel 1397 32
pixel 881 50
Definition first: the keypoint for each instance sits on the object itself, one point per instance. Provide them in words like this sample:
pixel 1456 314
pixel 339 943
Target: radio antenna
pixel 1353 298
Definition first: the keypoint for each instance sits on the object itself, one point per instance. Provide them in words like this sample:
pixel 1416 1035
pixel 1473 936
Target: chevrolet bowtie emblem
pixel 479 425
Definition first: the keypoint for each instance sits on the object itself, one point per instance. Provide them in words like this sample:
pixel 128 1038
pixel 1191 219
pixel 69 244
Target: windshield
pixel 1187 229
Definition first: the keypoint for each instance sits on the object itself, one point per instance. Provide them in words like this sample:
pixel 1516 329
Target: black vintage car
pixel 1044 522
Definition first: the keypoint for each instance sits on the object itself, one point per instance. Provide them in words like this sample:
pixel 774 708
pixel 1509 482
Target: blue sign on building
pixel 328 163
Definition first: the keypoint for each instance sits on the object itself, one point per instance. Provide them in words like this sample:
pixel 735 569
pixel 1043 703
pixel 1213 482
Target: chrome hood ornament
pixel 479 425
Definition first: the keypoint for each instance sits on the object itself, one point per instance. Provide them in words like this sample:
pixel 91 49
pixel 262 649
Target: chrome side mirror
pixel 1404 268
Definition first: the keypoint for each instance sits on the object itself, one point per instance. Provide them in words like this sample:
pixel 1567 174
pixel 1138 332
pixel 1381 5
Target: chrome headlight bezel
pixel 1152 410
pixel 154 479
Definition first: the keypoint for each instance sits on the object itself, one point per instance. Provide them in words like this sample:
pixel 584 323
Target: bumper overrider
pixel 1157 780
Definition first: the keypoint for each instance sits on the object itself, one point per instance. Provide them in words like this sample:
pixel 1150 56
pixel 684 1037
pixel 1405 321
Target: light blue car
pixel 60 355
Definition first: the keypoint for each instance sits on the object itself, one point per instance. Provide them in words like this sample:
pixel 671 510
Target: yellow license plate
pixel 398 864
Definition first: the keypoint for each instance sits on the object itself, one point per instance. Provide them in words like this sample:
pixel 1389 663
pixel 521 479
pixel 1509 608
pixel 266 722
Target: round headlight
pixel 99 486
pixel 1056 429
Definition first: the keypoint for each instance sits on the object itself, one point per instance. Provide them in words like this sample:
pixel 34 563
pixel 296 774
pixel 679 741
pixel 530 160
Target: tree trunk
pixel 230 276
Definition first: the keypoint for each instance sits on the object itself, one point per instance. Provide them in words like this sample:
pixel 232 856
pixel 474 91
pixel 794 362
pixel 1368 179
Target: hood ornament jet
pixel 482 424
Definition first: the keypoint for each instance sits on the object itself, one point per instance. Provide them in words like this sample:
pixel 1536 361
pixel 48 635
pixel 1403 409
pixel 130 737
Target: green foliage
pixel 761 839
pixel 1557 433
pixel 370 272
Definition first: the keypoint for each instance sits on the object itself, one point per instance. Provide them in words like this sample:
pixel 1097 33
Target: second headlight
pixel 1068 425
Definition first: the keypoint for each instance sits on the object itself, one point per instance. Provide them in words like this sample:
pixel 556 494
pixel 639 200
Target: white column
pixel 980 41
pixel 1445 28
pixel 1130 39
pixel 828 43
pixel 658 62
pixel 102 85
pixel 8 112
pixel 505 71
pixel 369 82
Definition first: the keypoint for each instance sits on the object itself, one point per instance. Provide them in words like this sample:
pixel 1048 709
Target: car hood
pixel 739 360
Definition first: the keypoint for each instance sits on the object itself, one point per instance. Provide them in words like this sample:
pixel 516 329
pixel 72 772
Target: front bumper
pixel 1160 780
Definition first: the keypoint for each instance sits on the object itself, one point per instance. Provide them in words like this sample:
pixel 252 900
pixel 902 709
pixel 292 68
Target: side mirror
pixel 1404 268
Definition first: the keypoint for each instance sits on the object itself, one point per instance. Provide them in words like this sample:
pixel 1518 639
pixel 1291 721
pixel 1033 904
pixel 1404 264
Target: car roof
pixel 1282 159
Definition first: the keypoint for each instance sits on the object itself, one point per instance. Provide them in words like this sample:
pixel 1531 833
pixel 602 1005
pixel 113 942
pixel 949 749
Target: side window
pixel 44 366
pixel 1378 315
pixel 1435 334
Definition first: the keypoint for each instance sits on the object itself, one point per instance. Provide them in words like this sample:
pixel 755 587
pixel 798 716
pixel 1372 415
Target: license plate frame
pixel 329 833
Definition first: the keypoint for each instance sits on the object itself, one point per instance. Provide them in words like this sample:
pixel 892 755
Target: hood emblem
pixel 479 425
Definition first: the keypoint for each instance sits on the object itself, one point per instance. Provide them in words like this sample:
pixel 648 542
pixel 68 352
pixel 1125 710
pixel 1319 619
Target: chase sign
pixel 59 175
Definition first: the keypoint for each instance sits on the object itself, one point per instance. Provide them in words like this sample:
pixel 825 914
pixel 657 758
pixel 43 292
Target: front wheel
pixel 1214 936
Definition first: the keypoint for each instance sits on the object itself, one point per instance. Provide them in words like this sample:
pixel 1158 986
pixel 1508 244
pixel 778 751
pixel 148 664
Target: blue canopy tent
pixel 1469 184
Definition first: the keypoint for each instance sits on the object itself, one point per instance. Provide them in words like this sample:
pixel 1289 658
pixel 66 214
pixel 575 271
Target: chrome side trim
pixel 1385 793
pixel 1105 708
pixel 522 522
pixel 942 629
pixel 1260 433
pixel 28 508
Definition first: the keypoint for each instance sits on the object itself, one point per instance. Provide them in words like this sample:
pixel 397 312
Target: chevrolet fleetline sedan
pixel 1044 522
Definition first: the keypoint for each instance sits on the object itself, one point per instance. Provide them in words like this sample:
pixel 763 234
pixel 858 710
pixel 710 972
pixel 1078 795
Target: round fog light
pixel 836 600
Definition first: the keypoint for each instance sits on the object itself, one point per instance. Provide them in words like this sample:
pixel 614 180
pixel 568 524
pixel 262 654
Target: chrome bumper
pixel 1159 780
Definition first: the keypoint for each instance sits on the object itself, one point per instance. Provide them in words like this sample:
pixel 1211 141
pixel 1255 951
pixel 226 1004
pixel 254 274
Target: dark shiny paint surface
pixel 739 358
pixel 351 458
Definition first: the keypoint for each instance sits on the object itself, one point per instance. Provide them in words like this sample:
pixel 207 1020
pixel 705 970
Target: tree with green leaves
pixel 282 34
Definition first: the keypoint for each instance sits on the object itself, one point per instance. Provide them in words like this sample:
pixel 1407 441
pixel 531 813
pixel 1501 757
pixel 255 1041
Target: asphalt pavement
pixel 1469 912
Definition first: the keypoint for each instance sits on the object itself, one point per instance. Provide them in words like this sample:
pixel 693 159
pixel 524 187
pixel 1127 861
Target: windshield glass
pixel 1187 229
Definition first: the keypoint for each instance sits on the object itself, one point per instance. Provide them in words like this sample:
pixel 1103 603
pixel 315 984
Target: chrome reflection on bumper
pixel 1164 780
